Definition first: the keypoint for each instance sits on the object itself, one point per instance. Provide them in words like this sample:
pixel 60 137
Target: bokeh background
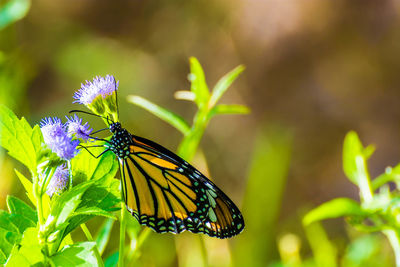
pixel 314 70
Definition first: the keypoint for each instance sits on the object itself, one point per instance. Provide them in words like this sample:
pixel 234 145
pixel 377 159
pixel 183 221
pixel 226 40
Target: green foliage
pixel 29 237
pixel 168 116
pixel 377 211
pixel 41 237
pixel 29 251
pixel 205 101
pixel 79 254
pixel 21 140
pixel 335 208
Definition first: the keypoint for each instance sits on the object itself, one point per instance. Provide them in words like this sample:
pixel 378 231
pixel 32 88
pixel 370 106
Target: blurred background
pixel 314 70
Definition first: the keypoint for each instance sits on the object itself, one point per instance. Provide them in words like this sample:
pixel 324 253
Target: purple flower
pixel 99 86
pixel 75 127
pixel 59 181
pixel 56 137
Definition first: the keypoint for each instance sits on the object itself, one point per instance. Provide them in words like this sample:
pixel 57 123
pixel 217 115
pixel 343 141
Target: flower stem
pixel 394 241
pixel 122 230
pixel 86 232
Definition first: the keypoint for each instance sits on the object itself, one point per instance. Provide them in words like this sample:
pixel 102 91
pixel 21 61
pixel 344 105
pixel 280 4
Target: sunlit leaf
pixel 224 83
pixel 173 119
pixel 27 185
pixel 335 208
pixel 21 140
pixel 99 196
pixel 87 167
pixel 29 252
pixel 198 83
pixel 79 254
pixel 228 109
pixel 17 206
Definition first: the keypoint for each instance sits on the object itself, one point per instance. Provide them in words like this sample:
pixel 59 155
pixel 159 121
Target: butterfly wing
pixel 167 194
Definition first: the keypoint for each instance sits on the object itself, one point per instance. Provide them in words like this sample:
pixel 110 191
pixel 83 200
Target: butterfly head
pixel 115 127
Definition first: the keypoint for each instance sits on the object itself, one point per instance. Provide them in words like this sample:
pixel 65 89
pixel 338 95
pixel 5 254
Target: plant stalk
pixel 122 230
pixel 394 241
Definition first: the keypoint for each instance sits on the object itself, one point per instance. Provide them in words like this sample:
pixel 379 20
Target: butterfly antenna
pixel 86 112
pixel 99 131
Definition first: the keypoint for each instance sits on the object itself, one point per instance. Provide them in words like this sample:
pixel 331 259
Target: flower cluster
pixel 75 127
pixel 99 96
pixel 60 137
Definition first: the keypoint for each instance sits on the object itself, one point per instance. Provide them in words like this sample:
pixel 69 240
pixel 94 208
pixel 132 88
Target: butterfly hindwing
pixel 167 194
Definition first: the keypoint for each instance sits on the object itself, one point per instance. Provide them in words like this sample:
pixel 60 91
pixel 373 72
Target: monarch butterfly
pixel 160 189
pixel 167 194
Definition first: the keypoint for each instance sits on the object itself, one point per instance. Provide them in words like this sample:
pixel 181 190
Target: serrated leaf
pixel 80 254
pixel 66 204
pixel 20 140
pixel 17 206
pixel 335 208
pixel 86 167
pixel 168 116
pixel 103 235
pixel 224 83
pixel 12 226
pixel 198 83
pixel 101 196
pixel 29 251
pixel 228 109
pixel 94 211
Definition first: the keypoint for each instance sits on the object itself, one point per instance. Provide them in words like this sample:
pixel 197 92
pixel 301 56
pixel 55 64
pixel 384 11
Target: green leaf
pixel 80 254
pixel 198 83
pixel 228 109
pixel 22 142
pixel 29 252
pixel 224 83
pixel 335 208
pixel 95 211
pixel 17 206
pixel 173 119
pixel 86 167
pixel 97 197
pixel 103 235
pixel 27 185
pixel 355 164
pixel 12 226
pixel 12 11
pixel 352 151
pixel 66 204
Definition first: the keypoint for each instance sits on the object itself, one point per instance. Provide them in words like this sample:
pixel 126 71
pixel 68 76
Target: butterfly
pixel 166 193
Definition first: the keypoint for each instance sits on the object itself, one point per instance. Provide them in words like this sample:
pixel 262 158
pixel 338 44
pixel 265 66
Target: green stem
pixel 90 238
pixel 394 241
pixel 364 181
pixel 122 230
pixel 86 232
